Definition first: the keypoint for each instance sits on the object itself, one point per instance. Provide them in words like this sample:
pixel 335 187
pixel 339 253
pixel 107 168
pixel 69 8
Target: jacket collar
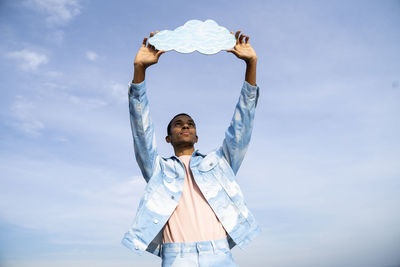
pixel 195 153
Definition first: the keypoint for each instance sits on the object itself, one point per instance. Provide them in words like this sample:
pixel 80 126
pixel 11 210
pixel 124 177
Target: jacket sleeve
pixel 238 134
pixel 144 139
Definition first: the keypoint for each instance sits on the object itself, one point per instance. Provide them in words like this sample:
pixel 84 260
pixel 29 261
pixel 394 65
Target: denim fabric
pixel 214 173
pixel 214 253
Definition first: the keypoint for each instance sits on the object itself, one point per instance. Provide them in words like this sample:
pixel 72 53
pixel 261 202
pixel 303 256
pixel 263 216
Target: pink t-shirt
pixel 193 219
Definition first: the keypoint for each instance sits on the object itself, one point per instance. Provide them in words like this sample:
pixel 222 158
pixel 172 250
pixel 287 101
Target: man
pixel 192 211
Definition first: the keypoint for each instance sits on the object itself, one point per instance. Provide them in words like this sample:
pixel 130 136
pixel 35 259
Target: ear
pixel 197 139
pixel 168 139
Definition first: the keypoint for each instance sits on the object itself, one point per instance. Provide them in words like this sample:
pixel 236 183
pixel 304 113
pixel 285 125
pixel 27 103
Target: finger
pixel 232 51
pixel 144 42
pixel 247 39
pixel 153 47
pixel 241 38
pixel 159 53
pixel 151 35
pixel 231 32
pixel 237 36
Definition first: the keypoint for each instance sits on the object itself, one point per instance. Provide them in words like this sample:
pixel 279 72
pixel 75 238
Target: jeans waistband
pixel 196 247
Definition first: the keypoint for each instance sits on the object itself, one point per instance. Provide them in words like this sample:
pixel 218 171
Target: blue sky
pixel 320 175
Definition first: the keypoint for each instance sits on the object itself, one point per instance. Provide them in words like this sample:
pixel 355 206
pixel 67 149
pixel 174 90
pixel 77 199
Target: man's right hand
pixel 145 57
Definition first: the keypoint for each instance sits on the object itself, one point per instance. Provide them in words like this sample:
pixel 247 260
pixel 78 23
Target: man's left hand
pixel 243 49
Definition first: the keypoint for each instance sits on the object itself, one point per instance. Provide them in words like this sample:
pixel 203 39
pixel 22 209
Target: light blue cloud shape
pixel 206 37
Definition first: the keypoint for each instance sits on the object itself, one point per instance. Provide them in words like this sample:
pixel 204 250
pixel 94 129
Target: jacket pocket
pixel 213 167
pixel 209 163
pixel 169 173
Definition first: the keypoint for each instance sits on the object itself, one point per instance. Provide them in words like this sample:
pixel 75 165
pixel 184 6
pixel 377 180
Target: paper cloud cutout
pixel 195 35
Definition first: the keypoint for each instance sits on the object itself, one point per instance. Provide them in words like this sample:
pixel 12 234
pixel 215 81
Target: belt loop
pixel 213 245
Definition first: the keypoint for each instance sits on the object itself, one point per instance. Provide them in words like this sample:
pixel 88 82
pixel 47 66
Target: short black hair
pixel 170 123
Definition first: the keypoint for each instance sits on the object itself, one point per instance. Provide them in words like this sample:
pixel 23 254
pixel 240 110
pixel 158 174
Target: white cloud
pixel 119 91
pixel 144 260
pixel 61 109
pixel 29 60
pixel 79 211
pixel 58 12
pixel 86 103
pixel 91 55
pixel 62 139
pixel 206 37
pixel 23 111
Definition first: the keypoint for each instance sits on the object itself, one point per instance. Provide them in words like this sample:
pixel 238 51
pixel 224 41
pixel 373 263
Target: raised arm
pixel 244 51
pixel 238 134
pixel 141 123
pixel 145 57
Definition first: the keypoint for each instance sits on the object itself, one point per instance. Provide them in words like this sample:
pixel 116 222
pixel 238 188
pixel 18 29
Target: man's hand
pixel 244 51
pixel 145 57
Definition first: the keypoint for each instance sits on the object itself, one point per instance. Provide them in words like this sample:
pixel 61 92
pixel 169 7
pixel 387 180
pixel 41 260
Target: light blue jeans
pixel 213 253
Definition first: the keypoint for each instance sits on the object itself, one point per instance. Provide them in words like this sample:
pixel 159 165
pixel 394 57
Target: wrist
pixel 251 61
pixel 139 66
pixel 139 73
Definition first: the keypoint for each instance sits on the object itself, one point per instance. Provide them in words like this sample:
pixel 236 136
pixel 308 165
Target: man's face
pixel 183 132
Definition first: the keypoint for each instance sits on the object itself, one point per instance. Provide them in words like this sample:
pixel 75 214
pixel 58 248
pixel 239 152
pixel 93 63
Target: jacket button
pixel 136 247
pixel 155 221
pixel 211 164
pixel 172 197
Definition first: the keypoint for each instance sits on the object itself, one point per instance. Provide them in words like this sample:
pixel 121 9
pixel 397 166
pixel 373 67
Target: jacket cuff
pixel 251 91
pixel 137 89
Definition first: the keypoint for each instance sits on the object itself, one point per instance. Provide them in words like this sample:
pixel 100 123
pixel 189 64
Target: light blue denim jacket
pixel 214 173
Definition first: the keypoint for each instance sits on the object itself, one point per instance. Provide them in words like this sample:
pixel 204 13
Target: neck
pixel 179 151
